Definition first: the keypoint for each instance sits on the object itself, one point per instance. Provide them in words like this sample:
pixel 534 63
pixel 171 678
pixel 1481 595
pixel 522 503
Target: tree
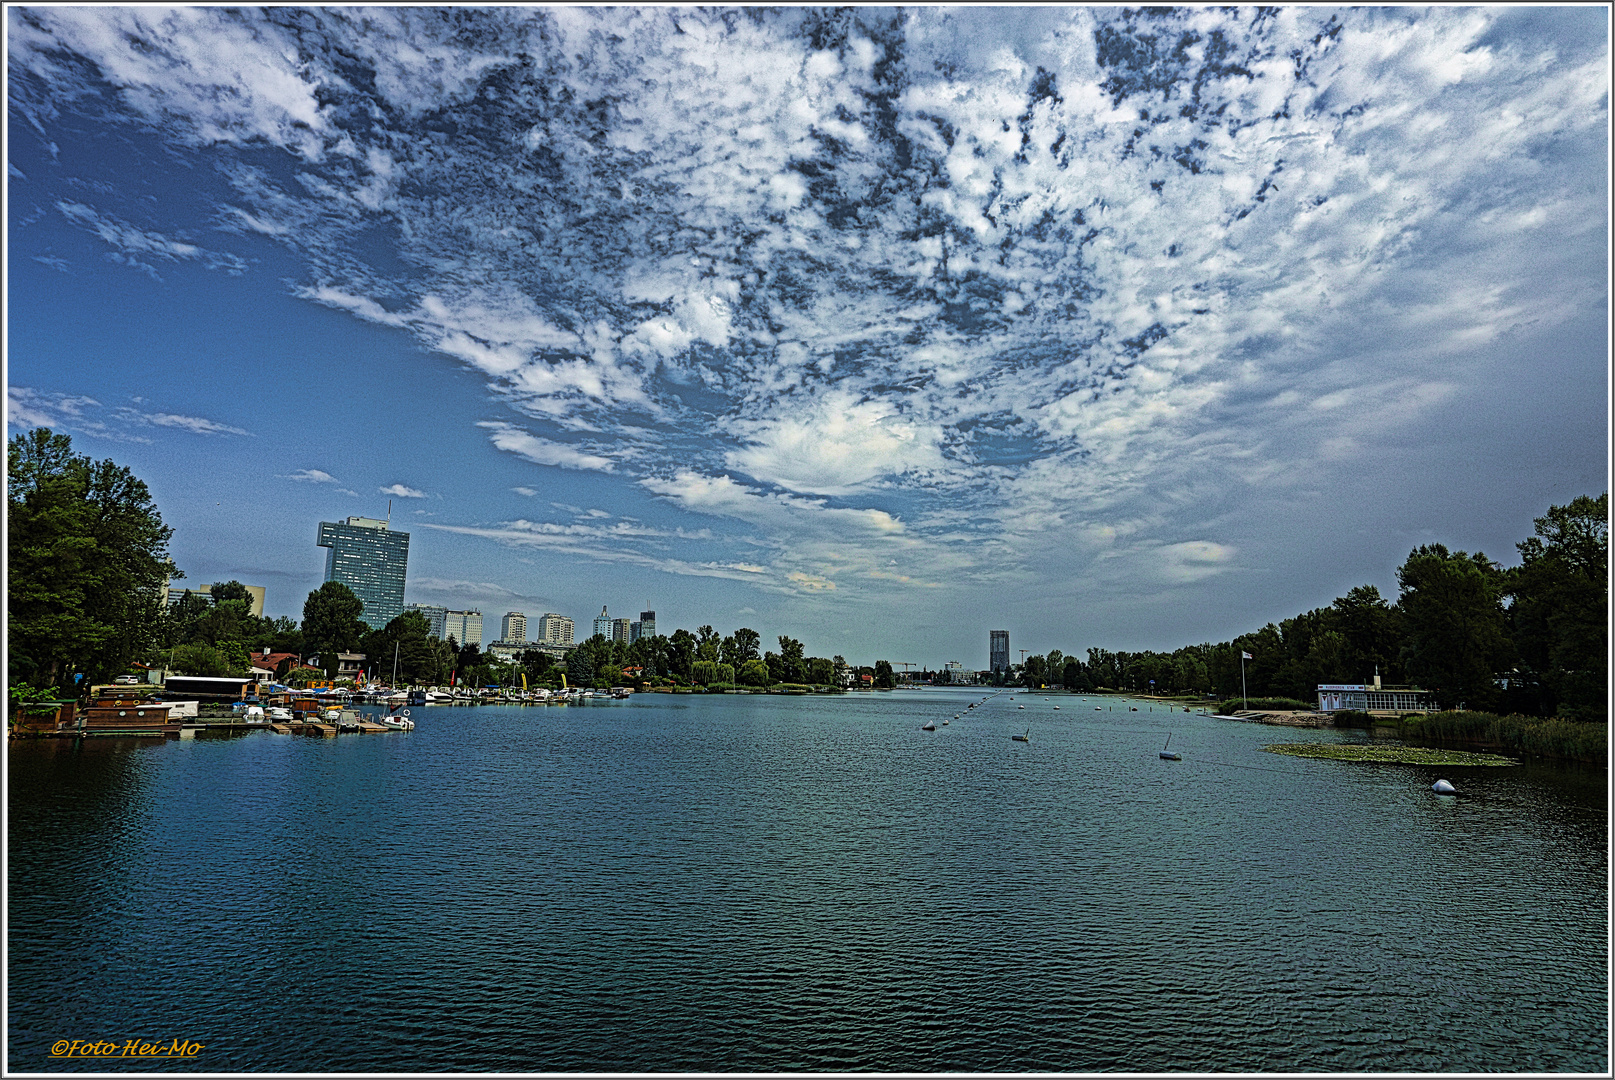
pixel 883 675
pixel 1452 617
pixel 748 645
pixel 681 654
pixel 821 672
pixel 87 558
pixel 232 590
pixel 331 623
pixel 407 639
pixel 206 661
pixel 754 673
pixel 792 667
pixel 1561 599
pixel 708 644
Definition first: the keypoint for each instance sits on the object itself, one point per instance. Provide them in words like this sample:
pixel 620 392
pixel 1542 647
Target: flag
pixel 1246 656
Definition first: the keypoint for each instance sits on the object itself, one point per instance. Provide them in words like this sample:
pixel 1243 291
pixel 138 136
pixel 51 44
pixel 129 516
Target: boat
pixel 254 715
pixel 398 721
pixel 1170 755
pixel 929 725
pixel 1023 738
pixel 280 714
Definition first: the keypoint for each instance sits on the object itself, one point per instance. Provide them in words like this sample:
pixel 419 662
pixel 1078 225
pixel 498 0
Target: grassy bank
pixel 1529 736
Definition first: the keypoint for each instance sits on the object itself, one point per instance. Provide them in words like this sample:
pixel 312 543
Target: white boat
pixel 280 714
pixel 398 721
pixel 254 715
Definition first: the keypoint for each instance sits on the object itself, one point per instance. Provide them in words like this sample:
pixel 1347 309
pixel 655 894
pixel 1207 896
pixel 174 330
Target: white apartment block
pixel 554 629
pixel 513 627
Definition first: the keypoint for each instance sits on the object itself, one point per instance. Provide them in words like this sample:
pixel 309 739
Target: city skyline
pixel 875 328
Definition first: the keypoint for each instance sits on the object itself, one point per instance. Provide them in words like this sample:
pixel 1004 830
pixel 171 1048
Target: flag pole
pixel 1243 695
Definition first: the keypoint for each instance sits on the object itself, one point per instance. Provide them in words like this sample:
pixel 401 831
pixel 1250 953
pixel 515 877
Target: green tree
pixel 206 661
pixel 748 645
pixel 681 654
pixel 793 669
pixel 821 672
pixel 331 623
pixel 87 557
pixel 883 674
pixel 1452 618
pixel 708 645
pixel 753 673
pixel 408 640
pixel 1559 616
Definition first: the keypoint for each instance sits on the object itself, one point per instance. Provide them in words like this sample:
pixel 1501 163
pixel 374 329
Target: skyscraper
pixel 647 624
pixel 619 629
pixel 602 624
pixel 369 558
pixel 998 650
pixel 514 627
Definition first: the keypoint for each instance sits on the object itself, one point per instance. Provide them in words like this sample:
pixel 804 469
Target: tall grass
pixel 1530 736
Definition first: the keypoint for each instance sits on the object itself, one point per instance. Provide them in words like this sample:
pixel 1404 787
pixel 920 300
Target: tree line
pixel 88 564
pixel 1531 638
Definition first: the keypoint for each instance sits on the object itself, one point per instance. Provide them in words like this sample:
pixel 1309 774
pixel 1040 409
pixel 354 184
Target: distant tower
pixel 620 629
pixel 998 650
pixel 602 624
pixel 554 629
pixel 647 624
pixel 369 558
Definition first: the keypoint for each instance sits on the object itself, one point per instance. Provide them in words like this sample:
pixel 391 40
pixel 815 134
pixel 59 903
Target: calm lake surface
pixel 770 884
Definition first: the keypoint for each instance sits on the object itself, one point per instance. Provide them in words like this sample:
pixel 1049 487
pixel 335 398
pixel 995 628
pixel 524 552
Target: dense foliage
pixel 87 560
pixel 1529 639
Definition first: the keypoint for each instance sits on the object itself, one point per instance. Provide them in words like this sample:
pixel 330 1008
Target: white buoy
pixel 1441 787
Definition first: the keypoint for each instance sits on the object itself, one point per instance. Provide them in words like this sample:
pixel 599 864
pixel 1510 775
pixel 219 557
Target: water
pixel 774 884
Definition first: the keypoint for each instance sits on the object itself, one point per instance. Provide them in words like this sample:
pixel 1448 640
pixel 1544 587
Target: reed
pixel 1530 736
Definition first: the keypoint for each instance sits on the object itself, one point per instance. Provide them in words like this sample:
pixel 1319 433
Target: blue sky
pixel 880 328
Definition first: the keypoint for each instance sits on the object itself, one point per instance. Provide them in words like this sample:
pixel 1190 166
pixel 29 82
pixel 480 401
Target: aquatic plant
pixel 1392 755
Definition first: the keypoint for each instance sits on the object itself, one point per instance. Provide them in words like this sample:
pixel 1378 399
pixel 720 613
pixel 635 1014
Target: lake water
pixel 771 884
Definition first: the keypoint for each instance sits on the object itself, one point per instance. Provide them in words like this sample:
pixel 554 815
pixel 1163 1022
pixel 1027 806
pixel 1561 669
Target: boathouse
pixel 1371 697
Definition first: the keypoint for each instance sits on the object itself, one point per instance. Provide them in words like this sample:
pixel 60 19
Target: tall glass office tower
pixel 998 650
pixel 369 558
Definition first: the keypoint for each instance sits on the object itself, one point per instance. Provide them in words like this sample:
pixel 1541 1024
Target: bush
pixel 1272 704
pixel 1352 718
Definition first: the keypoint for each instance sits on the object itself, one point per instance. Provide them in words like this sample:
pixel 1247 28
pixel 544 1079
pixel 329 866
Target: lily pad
pixel 1394 755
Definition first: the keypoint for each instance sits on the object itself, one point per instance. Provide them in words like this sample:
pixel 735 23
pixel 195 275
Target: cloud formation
pixel 897 296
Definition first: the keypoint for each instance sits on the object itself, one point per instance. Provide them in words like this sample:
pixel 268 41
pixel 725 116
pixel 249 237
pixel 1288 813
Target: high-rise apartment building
pixel 619 629
pixel 554 629
pixel 647 624
pixel 465 627
pixel 998 650
pixel 602 624
pixel 369 558
pixel 514 627
pixel 435 616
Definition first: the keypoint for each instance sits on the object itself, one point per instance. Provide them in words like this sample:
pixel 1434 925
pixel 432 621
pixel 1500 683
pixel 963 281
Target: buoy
pixel 1441 787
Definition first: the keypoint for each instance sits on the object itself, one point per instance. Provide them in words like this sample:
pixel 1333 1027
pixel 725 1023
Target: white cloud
pixel 403 492
pixel 514 440
pixel 311 476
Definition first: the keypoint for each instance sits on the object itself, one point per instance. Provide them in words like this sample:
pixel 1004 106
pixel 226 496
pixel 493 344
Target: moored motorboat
pixel 398 721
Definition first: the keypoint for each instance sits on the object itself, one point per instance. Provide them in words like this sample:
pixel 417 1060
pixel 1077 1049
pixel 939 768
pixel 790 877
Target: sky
pixel 875 327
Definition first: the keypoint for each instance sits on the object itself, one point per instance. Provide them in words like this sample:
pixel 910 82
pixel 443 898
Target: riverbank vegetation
pixel 1531 736
pixel 1530 639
